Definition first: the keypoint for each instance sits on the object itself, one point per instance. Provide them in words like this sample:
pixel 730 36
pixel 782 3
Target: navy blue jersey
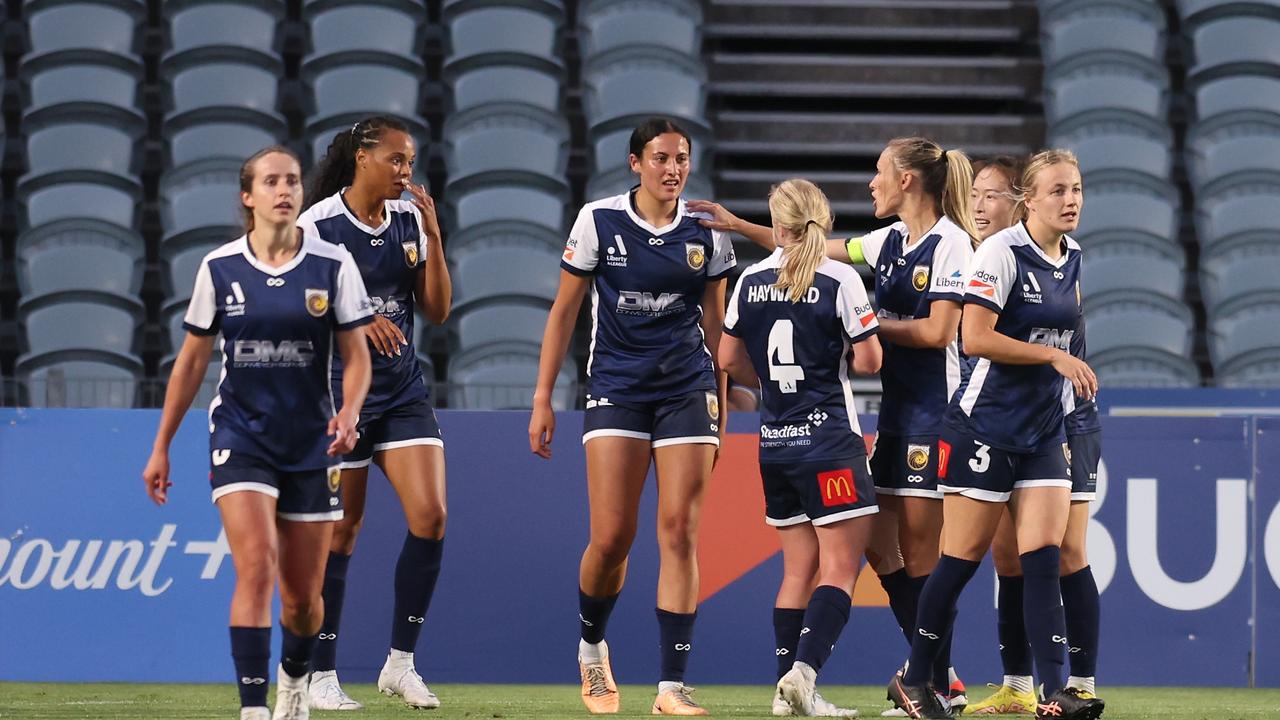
pixel 910 275
pixel 274 399
pixel 1020 407
pixel 1081 415
pixel 646 299
pixel 800 351
pixel 390 257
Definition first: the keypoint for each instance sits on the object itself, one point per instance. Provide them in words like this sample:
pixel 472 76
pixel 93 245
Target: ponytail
pixel 957 195
pixel 947 177
pixel 337 169
pixel 801 208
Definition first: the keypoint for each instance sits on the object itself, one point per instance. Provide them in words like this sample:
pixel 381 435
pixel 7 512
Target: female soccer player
pixel 281 299
pixel 791 327
pixel 995 187
pixel 656 278
pixel 919 263
pixel 1003 441
pixel 397 245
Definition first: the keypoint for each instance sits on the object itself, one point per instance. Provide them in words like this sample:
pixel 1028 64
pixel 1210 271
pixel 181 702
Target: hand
pixel 156 476
pixel 721 219
pixel 385 336
pixel 542 427
pixel 342 428
pixel 1079 373
pixel 427 208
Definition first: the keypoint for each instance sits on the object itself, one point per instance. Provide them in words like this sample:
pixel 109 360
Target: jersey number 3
pixel 782 357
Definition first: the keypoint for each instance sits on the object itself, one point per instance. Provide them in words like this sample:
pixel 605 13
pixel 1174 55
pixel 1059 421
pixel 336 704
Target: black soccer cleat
pixel 917 701
pixel 1067 704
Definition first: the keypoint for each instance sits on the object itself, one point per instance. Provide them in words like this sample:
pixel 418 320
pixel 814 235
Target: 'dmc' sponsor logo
pixel 265 353
pixel 634 302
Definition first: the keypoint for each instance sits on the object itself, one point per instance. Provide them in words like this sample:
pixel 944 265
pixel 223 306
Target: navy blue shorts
pixel 304 496
pixel 693 417
pixel 401 426
pixel 1085 453
pixel 974 469
pixel 817 492
pixel 906 466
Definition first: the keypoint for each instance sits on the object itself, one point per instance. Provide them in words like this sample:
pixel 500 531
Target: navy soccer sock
pixel 937 611
pixel 825 618
pixel 251 654
pixel 1081 607
pixel 675 632
pixel 335 588
pixel 416 573
pixel 787 623
pixel 903 598
pixel 1015 653
pixel 1042 610
pixel 295 652
pixel 593 615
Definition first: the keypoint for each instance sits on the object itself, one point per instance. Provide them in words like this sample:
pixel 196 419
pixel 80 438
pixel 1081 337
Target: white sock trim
pixel 400 655
pixel 592 653
pixel 1082 683
pixel 666 685
pixel 1021 683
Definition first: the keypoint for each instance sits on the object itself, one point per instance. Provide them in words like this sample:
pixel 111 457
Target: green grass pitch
pixel 38 701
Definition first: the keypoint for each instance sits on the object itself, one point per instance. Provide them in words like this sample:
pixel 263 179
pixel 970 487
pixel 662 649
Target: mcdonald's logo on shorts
pixel 836 487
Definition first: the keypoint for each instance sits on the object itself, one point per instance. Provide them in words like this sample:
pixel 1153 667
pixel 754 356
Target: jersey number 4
pixel 782 357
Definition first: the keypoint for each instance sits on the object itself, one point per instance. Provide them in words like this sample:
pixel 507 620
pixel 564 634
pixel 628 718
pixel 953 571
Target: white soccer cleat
pixel 398 677
pixel 823 707
pixel 327 694
pixel 781 708
pixel 255 713
pixel 292 701
pixel 797 688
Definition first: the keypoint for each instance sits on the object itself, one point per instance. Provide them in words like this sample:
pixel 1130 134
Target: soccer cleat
pixel 599 691
pixel 917 701
pixel 1066 704
pixel 255 713
pixel 677 701
pixel 327 694
pixel 398 677
pixel 781 708
pixel 1004 701
pixel 956 697
pixel 797 688
pixel 822 707
pixel 292 701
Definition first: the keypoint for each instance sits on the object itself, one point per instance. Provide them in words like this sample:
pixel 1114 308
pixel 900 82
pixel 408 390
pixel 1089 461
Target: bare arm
pixel 357 372
pixel 982 340
pixel 184 381
pixel 433 287
pixel 735 361
pixel 867 356
pixel 555 343
pixel 713 332
pixel 935 331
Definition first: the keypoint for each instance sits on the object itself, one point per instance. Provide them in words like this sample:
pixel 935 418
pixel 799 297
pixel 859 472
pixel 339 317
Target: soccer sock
pixel 1021 683
pixel 1081 608
pixel 1083 683
pixel 416 573
pixel 251 654
pixel 675 632
pixel 942 663
pixel 937 610
pixel 295 652
pixel 335 589
pixel 902 600
pixel 593 615
pixel 1042 610
pixel 826 616
pixel 1015 653
pixel 787 623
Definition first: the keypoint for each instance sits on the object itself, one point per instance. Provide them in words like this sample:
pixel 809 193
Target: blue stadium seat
pixel 501 138
pixel 1127 326
pixel 1101 29
pixel 245 24
pixel 54 80
pixel 347 88
pixel 80 379
pixel 474 29
pixel 500 323
pixel 106 143
pixel 1130 209
pixel 631 83
pixel 520 230
pixel 1106 86
pixel 107 27
pixel 80 320
pixel 1241 211
pixel 530 83
pixel 80 255
pixel 673 25
pixel 183 262
pixel 1233 46
pixel 504 267
pixel 209 86
pixel 1140 367
pixel 1238 269
pixel 198 138
pixel 1154 267
pixel 1232 149
pixel 1244 334
pixel 1103 151
pixel 503 376
pixel 104 199
pixel 388 27
pixel 1237 93
pixel 201 203
pixel 1193 12
pixel 526 202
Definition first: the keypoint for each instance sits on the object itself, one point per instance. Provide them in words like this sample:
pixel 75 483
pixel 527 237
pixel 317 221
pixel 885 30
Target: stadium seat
pixel 1154 267
pixel 1193 12
pixel 1237 269
pixel 538 84
pixel 503 376
pixel 510 137
pixel 197 138
pixel 108 200
pixel 1260 369
pixel 1139 367
pixel 1136 318
pixel 107 27
pixel 347 88
pixel 80 320
pixel 197 84
pixel 1100 151
pixel 1234 45
pixel 80 379
pixel 183 262
pixel 80 255
pixel 1243 330
pixel 82 83
pixel 393 28
pixel 1240 211
pixel 673 25
pixel 500 323
pixel 1101 29
pixel 473 30
pixel 244 24
pixel 201 202
pixel 632 83
pixel 1237 93
pixel 1106 87
pixel 526 202
pixel 106 143
pixel 1130 209
pixel 499 231
pixel 504 267
pixel 1232 149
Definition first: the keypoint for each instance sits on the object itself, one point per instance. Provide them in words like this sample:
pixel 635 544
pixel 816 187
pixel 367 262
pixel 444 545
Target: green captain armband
pixel 854 248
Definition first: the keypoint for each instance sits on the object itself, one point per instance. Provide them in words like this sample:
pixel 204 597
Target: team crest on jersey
pixel 335 479
pixel 410 252
pixel 713 406
pixel 917 456
pixel 696 255
pixel 920 278
pixel 317 302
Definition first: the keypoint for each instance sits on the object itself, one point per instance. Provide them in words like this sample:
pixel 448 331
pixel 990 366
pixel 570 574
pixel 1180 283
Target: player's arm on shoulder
pixel 719 218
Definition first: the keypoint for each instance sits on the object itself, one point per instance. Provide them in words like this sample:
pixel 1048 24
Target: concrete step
pixel 746 192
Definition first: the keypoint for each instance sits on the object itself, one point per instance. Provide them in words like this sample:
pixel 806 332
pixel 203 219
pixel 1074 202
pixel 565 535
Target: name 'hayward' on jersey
pixel 646 295
pixel 800 351
pixel 1020 407
pixel 274 399
pixel 911 274
pixel 389 257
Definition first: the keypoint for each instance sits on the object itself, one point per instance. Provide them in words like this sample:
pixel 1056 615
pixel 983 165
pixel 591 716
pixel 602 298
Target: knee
pixel 345 532
pixel 256 577
pixel 428 521
pixel 295 606
pixel 1072 559
pixel 1006 560
pixel 613 545
pixel 677 535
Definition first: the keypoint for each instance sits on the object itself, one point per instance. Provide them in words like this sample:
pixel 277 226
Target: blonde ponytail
pixel 801 208
pixel 957 195
pixel 947 177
